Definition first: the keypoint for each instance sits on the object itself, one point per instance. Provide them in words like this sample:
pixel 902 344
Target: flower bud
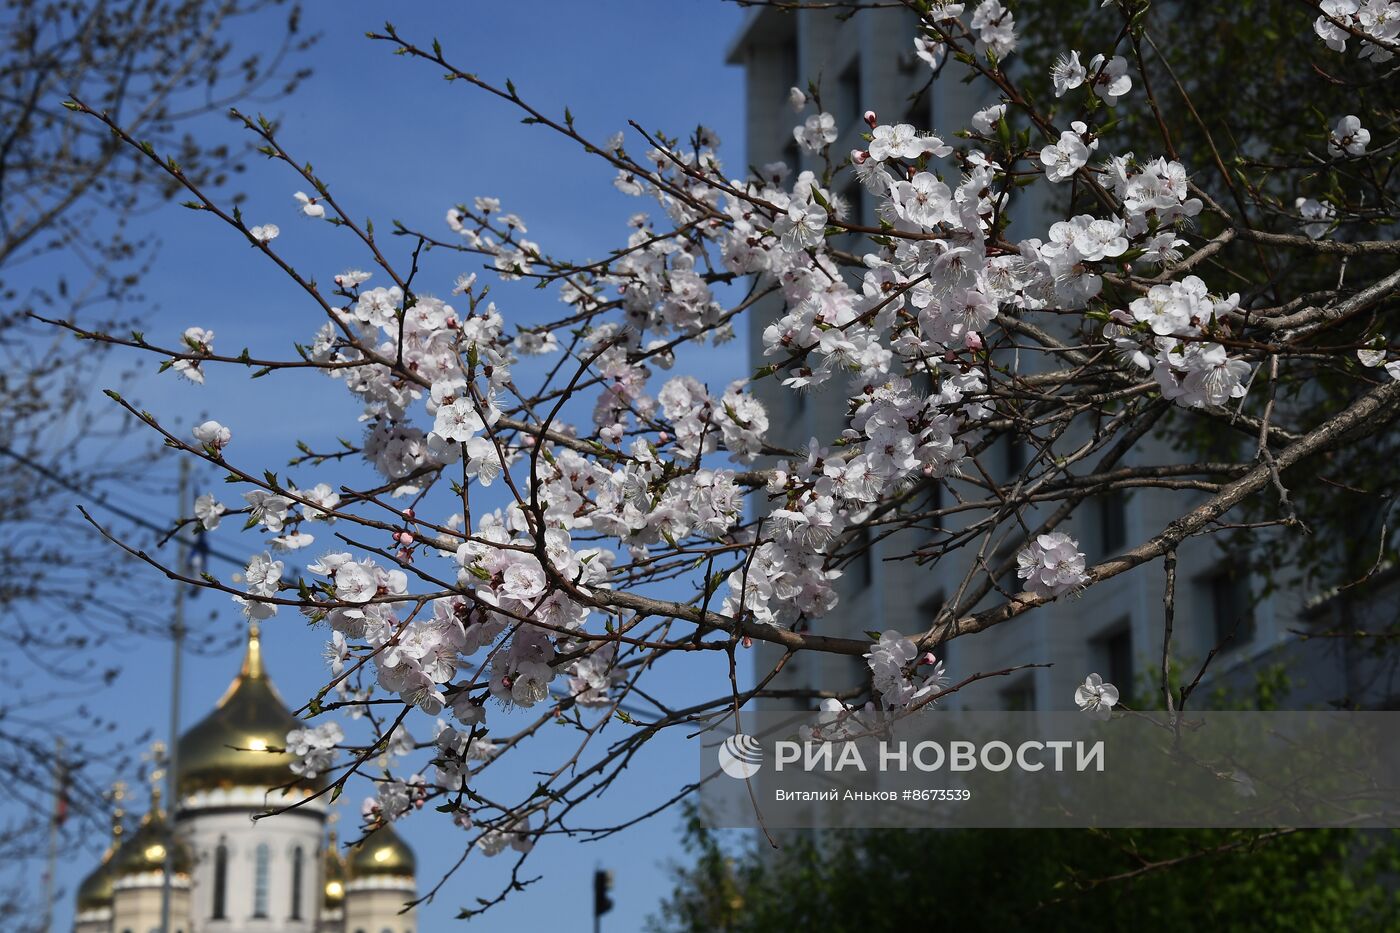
pixel 870 118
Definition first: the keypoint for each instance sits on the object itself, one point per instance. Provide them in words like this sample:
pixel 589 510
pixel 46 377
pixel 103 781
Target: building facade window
pixel 1014 453
pixel 1231 604
pixel 918 114
pixel 1020 697
pixel 1001 568
pixel 260 880
pixel 220 910
pixel 929 610
pixel 851 102
pixel 1113 656
pixel 787 63
pixel 296 882
pixel 935 502
pixel 1113 522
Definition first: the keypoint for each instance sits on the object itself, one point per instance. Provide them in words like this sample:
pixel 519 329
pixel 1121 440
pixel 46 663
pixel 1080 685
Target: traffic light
pixel 602 892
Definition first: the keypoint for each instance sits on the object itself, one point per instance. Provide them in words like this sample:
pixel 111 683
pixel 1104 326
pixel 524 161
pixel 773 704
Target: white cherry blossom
pixel 1109 78
pixel 213 435
pixel 1069 155
pixel 209 511
pixel 818 132
pixel 1096 698
pixel 1067 73
pixel 1348 137
pixel 1051 564
pixel 309 205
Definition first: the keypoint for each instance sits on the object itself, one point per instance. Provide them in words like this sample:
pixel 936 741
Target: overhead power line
pixel 198 544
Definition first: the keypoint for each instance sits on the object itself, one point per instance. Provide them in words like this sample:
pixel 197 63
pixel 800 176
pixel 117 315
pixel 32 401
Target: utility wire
pixel 198 544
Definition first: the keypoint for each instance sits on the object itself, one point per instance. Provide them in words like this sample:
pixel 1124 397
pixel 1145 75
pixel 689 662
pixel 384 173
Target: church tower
pixel 333 887
pixel 138 874
pixel 249 876
pixel 234 874
pixel 381 881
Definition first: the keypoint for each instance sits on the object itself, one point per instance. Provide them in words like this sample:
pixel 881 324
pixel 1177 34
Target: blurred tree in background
pixel 874 881
pixel 1234 81
pixel 69 194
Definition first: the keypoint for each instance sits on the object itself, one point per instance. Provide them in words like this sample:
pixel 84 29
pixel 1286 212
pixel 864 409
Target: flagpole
pixel 177 638
pixel 51 870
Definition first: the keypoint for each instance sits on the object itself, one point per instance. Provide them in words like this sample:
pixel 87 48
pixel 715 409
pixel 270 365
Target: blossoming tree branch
pixel 562 515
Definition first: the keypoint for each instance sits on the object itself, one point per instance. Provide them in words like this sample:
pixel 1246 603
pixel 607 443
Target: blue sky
pixel 395 141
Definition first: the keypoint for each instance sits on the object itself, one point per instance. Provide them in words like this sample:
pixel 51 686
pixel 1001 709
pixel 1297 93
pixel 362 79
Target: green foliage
pixel 1248 94
pixel 894 880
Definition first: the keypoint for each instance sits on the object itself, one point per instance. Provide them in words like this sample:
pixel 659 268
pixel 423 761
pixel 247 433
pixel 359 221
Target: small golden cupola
pixel 143 853
pixel 95 891
pixel 229 747
pixel 383 853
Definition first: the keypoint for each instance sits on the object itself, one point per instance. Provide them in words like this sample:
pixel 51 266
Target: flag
pixel 60 804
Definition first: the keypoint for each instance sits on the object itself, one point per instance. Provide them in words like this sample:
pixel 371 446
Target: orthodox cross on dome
pixel 117 794
pixel 333 831
pixel 158 760
pixel 252 657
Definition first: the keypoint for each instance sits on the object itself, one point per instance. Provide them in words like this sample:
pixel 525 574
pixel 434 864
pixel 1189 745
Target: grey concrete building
pixel 867 62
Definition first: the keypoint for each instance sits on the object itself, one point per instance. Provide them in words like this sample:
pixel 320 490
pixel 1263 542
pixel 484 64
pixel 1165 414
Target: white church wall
pixel 260 869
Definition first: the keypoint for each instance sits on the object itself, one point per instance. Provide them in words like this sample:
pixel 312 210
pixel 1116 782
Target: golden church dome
pixel 334 893
pixel 227 747
pixel 145 850
pixel 95 892
pixel 382 853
